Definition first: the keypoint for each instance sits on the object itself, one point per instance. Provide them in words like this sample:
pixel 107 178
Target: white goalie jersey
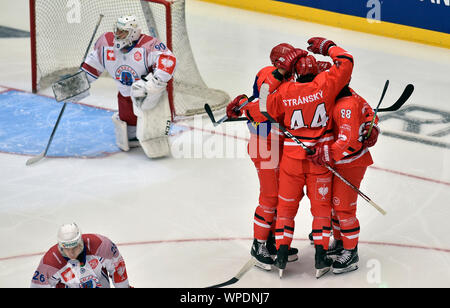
pixel 149 55
pixel 99 262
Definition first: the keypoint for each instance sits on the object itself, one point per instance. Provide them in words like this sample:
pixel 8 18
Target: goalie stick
pixel 247 266
pixel 42 155
pixel 263 109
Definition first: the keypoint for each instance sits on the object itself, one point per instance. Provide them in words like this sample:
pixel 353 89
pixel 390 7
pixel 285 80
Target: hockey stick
pixel 402 99
pixel 225 118
pixel 263 108
pixel 247 266
pixel 42 155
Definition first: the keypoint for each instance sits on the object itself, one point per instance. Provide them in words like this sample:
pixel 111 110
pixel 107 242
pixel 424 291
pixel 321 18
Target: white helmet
pixel 126 23
pixel 69 236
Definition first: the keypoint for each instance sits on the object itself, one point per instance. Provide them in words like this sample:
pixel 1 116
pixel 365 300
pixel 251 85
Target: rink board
pixel 418 21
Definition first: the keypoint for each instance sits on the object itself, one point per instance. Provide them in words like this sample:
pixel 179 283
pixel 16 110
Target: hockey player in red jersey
pixel 305 107
pixel 80 261
pixel 352 117
pixel 142 66
pixel 265 149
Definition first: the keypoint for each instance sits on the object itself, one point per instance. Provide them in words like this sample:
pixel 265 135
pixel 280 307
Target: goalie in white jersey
pixel 142 66
pixel 80 261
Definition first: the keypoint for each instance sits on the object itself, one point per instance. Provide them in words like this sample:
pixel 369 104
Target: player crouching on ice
pixel 142 66
pixel 80 261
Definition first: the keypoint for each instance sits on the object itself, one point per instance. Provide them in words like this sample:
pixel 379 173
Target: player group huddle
pixel 311 99
pixel 312 102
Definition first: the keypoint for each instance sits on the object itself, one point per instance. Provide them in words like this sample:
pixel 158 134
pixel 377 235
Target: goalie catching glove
pixel 146 92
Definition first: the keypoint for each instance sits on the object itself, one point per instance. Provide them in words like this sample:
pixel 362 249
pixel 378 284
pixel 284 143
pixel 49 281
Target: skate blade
pixel 292 258
pixel 350 268
pixel 322 271
pixel 263 266
pixel 280 273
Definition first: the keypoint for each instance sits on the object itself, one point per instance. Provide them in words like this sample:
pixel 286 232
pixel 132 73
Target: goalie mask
pixel 126 32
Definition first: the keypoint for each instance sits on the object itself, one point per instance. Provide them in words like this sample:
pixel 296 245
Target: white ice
pixel 187 222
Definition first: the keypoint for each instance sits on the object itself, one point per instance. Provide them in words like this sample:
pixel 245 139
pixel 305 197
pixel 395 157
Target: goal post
pixel 60 28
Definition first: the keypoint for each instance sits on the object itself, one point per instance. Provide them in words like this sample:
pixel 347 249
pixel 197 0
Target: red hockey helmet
pixel 280 51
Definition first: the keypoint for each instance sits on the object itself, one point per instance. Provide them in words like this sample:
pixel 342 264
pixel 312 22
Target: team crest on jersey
pixel 323 191
pixel 110 55
pixel 166 63
pixel 126 75
pixel 93 263
pixel 90 282
pixel 68 275
pixel 137 56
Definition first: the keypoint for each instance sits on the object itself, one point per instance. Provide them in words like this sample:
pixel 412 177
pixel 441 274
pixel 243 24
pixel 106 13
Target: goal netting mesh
pixel 63 29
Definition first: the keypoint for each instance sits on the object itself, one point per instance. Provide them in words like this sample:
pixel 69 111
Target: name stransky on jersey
pixel 303 100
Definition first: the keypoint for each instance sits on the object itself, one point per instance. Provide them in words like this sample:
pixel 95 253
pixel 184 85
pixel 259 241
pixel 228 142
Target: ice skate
pixel 271 247
pixel 311 240
pixel 322 261
pixel 281 259
pixel 347 261
pixel 335 249
pixel 262 256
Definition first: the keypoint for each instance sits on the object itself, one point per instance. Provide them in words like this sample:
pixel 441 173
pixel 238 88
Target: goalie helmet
pixel 126 32
pixel 69 236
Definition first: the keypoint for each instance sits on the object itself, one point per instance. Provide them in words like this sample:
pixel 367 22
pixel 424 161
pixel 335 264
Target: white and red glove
pixel 233 107
pixel 372 139
pixel 321 155
pixel 320 45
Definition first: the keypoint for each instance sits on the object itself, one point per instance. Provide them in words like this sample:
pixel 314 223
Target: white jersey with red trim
pixel 149 55
pixel 99 261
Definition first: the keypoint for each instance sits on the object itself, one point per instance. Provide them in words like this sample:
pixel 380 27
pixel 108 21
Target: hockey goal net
pixel 61 29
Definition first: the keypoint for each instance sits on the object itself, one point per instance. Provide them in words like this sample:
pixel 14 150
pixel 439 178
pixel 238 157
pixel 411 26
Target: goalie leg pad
pixel 153 128
pixel 120 129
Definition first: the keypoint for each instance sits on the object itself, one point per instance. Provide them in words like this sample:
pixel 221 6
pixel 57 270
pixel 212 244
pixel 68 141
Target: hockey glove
pixel 233 107
pixel 287 63
pixel 320 45
pixel 372 139
pixel 321 155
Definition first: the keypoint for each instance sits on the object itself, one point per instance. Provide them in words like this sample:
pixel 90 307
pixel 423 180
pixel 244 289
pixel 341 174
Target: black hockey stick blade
pixel 238 276
pixel 210 114
pixel 236 119
pixel 402 100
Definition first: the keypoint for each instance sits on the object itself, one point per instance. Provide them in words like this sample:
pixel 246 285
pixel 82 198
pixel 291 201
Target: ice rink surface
pixel 186 221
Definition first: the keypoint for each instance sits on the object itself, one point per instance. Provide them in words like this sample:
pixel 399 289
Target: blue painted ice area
pixel 27 120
